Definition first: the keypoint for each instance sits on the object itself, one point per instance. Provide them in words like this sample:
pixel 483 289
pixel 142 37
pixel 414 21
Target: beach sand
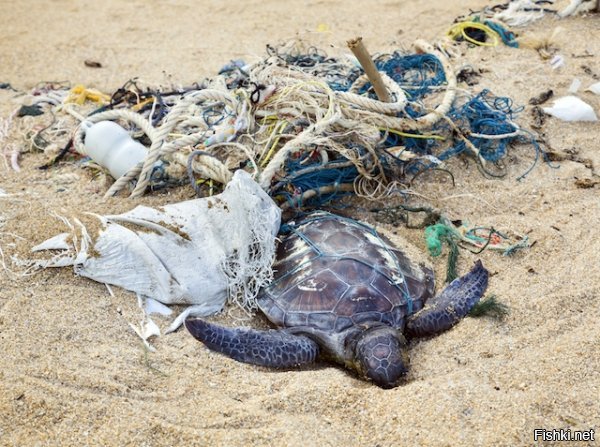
pixel 72 372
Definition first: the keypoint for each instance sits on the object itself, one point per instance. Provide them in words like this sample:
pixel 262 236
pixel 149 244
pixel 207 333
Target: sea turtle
pixel 346 294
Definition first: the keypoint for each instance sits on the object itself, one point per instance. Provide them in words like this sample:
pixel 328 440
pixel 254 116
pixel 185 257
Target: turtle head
pixel 381 356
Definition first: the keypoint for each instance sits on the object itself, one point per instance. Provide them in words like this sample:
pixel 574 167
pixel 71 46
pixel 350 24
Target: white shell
pixel 594 88
pixel 571 108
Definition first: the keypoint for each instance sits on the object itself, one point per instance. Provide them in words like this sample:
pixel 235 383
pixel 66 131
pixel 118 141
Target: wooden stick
pixel 364 58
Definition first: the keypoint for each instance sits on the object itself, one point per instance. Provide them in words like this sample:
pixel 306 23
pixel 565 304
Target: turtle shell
pixel 332 273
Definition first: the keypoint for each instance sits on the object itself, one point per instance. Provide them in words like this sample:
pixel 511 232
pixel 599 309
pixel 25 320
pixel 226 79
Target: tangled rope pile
pixel 162 144
pixel 307 126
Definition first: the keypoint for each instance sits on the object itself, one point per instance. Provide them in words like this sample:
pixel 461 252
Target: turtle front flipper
pixel 277 349
pixel 445 310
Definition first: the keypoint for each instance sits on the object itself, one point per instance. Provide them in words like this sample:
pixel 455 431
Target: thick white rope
pixel 167 127
pixel 350 117
pixel 300 96
pixel 310 135
pixel 374 105
pixel 157 136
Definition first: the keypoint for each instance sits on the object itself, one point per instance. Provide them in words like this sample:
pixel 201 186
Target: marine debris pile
pixel 307 126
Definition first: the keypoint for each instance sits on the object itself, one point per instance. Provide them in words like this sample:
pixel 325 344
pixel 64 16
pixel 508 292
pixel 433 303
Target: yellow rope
pixel 139 105
pixel 202 181
pixel 278 129
pixel 459 30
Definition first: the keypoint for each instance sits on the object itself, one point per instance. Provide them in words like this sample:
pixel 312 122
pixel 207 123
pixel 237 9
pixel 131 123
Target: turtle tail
pixel 277 349
pixel 455 301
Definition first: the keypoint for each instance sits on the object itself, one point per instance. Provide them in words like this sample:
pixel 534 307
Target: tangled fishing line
pixel 307 126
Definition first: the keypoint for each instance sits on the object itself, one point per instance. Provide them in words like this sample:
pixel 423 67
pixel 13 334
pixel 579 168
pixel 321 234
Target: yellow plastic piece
pixel 79 95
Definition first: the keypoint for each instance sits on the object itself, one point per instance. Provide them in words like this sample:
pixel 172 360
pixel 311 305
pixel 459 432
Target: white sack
pixel 199 252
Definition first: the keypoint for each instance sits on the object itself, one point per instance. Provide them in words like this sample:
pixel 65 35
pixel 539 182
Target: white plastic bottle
pixel 109 145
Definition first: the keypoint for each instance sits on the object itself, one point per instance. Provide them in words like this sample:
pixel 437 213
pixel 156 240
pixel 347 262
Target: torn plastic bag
pixel 200 252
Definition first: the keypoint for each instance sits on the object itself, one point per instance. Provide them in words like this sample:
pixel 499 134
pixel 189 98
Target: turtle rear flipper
pixel 446 309
pixel 277 349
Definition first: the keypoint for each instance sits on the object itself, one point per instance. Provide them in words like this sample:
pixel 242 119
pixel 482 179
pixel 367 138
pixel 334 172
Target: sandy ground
pixel 73 373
